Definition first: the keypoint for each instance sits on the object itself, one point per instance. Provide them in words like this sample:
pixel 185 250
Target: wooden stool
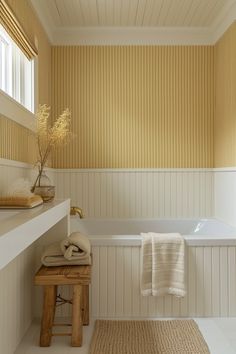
pixel 50 277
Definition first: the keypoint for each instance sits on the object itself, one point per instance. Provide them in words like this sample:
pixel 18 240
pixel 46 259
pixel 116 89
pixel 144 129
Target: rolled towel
pixel 76 246
pixel 53 256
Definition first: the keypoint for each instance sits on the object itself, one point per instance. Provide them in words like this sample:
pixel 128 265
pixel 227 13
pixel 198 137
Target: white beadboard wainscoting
pixel 115 287
pixel 210 279
pixel 152 193
pixel 225 194
pixel 17 291
pixel 16 279
pixel 11 170
pixel 16 300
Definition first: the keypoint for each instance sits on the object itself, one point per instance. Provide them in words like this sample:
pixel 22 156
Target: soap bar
pixel 20 201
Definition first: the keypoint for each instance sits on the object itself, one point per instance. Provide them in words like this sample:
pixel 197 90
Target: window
pixel 16 72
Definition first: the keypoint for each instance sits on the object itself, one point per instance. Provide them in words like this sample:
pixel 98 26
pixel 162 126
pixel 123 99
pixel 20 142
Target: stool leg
pixel 85 305
pixel 49 303
pixel 76 338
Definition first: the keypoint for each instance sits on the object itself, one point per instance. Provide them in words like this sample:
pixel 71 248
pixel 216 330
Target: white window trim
pixel 15 111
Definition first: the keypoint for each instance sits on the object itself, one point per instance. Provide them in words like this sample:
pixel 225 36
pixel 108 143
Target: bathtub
pixel 126 232
pixel 210 263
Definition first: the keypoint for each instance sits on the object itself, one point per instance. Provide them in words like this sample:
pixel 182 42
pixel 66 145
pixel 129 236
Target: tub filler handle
pixel 76 210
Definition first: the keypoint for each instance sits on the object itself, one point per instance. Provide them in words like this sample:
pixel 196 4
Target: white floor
pixel 219 333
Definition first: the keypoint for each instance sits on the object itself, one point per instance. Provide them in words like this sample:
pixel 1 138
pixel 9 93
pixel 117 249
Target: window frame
pixel 11 108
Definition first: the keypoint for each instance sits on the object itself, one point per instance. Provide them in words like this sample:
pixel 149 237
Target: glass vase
pixel 44 188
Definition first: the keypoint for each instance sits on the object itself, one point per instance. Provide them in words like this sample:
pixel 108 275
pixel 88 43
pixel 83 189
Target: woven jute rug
pixel 147 337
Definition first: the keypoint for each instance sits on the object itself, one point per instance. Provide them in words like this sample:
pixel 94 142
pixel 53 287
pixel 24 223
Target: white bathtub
pixel 210 268
pixel 126 232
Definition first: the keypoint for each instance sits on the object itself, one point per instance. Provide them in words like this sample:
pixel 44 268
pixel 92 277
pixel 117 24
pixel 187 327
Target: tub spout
pixel 76 210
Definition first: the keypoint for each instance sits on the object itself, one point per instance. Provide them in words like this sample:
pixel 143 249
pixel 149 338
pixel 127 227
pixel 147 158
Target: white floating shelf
pixel 20 228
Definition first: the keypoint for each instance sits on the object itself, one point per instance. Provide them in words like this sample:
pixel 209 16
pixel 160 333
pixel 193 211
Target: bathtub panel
pixel 232 280
pixel 167 306
pixel 127 281
pixel 95 283
pixel 215 281
pixel 119 281
pixel 103 285
pixel 144 306
pixel 159 306
pixel 135 281
pixel 175 306
pixel 111 280
pixel 199 272
pixel 115 288
pixel 207 287
pixel 204 286
pixel 151 306
pixel 191 276
pixel 184 300
pixel 224 298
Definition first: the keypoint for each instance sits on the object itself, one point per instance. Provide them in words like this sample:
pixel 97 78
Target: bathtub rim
pixel 136 241
pixel 195 240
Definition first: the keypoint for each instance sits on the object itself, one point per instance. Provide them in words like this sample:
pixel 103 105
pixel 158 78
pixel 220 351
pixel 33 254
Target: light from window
pixel 16 72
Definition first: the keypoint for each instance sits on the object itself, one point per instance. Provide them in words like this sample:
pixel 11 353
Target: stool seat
pixel 63 275
pixel 79 277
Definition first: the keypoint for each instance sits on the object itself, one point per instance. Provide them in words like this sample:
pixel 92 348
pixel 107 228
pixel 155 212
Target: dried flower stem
pixel 49 138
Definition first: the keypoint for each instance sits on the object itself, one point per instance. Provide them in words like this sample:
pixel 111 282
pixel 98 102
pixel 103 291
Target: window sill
pixel 13 110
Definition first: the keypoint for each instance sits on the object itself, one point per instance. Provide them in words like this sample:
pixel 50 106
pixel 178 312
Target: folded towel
pixel 76 246
pixel 20 201
pixel 53 256
pixel 162 264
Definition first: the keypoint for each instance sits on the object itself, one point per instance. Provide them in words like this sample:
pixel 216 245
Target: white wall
pixel 138 193
pixel 16 289
pixel 225 195
pixel 157 193
pixel 16 279
pixel 10 171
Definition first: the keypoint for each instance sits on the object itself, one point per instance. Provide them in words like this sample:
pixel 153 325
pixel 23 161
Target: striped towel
pixel 162 270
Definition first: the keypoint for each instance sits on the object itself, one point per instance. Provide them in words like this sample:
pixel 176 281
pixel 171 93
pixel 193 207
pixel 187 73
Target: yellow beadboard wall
pixel 225 115
pixel 135 106
pixel 17 142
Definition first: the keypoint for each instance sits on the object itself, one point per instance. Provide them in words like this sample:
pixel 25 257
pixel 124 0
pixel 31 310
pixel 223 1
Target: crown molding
pixel 131 36
pixel 223 22
pixel 136 35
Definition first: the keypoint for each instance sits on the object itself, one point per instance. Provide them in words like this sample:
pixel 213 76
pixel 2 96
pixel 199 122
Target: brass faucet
pixel 76 210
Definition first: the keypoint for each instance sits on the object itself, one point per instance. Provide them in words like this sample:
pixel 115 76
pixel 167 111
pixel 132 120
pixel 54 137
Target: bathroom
pixel 151 88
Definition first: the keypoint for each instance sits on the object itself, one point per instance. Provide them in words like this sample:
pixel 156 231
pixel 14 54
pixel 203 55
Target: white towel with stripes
pixel 162 263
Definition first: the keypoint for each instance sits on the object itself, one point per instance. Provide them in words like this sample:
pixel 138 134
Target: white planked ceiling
pixel 63 16
pixel 160 13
